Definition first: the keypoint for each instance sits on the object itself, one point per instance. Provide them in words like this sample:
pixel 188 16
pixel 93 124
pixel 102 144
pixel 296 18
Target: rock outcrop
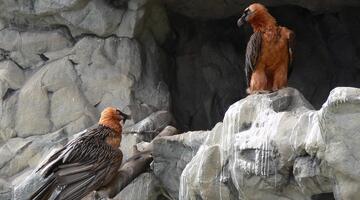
pixel 271 146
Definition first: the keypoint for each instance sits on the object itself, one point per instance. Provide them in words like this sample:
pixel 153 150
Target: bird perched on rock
pixel 86 163
pixel 269 52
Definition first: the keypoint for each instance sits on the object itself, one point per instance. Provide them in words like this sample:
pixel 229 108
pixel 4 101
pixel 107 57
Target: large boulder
pixel 172 154
pixel 145 186
pixel 269 146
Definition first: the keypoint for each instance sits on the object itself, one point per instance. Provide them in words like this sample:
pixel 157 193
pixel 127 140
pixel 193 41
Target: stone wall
pixel 62 62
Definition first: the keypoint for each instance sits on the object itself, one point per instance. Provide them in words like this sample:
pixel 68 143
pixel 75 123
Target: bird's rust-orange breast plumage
pixel 269 52
pixel 86 163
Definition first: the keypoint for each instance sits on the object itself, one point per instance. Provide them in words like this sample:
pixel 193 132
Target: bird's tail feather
pixel 45 191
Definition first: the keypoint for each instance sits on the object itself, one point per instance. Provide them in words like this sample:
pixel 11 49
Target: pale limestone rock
pixel 59 74
pixel 67 105
pixel 171 156
pixel 131 23
pixel 32 113
pixel 96 17
pixel 127 145
pixel 136 4
pixel 145 186
pixel 7 119
pixel 26 46
pixel 269 146
pixel 11 74
pixel 107 80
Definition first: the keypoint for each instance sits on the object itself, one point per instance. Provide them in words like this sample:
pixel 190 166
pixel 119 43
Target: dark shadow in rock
pixel 43 57
pixel 281 104
pixel 8 93
pixel 323 196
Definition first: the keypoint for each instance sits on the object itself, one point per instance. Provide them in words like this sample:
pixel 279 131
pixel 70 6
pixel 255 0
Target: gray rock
pixel 59 74
pixel 2 24
pixel 153 91
pixel 145 186
pixel 67 105
pixel 127 143
pixel 11 76
pixel 136 4
pixel 25 154
pixel 41 7
pixel 139 111
pixel 5 190
pixel 264 137
pixel 310 174
pixel 95 17
pixel 33 108
pixel 155 122
pixel 11 148
pixel 61 63
pixel 131 24
pixel 7 120
pixel 85 121
pixel 108 71
pixel 172 154
pixel 27 46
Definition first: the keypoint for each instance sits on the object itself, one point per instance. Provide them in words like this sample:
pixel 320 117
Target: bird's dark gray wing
pixel 291 48
pixel 252 54
pixel 83 165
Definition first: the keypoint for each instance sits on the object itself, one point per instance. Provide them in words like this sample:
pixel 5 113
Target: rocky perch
pixel 269 146
pixel 275 146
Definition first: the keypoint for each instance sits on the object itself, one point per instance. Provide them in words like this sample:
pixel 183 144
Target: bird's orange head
pixel 111 117
pixel 258 16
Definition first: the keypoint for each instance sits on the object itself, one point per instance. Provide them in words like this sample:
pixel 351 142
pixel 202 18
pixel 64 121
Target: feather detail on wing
pixel 291 47
pixel 252 54
pixel 82 166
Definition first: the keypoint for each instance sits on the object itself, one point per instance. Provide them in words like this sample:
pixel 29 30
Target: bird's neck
pixel 263 22
pixel 112 124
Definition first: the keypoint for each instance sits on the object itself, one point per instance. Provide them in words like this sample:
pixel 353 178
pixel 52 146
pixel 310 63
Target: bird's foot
pixel 274 89
pixel 260 92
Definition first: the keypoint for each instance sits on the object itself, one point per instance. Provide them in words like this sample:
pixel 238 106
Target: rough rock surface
pixel 275 146
pixel 146 186
pixel 61 63
pixel 171 155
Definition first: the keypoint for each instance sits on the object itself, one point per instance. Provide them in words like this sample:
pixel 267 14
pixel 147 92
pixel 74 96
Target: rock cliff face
pixel 62 62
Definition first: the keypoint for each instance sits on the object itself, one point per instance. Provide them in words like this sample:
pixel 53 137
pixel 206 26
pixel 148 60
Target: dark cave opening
pixel 207 60
pixel 207 73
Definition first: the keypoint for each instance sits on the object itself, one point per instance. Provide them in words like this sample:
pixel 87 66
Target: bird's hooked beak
pixel 243 18
pixel 125 116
